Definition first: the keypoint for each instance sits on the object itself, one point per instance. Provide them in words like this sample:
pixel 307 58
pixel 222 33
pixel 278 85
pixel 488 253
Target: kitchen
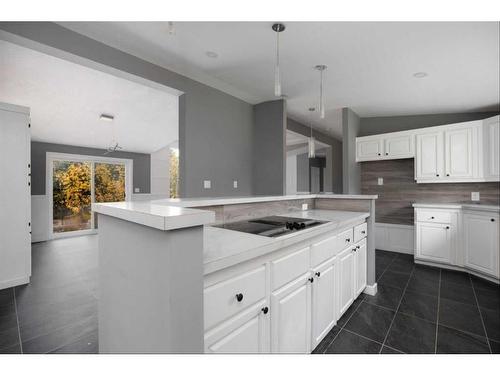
pixel 314 211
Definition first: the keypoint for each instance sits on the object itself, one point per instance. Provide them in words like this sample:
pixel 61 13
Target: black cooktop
pixel 271 226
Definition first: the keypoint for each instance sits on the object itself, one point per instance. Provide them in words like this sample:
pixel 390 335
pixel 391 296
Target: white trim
pixel 457 268
pixel 395 237
pixel 53 156
pixel 371 290
pixel 14 282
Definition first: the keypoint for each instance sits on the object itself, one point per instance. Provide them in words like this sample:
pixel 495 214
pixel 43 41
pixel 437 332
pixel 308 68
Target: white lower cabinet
pixel 247 332
pixel 291 317
pixel 481 241
pixel 434 242
pixel 346 264
pixel 360 266
pixel 324 314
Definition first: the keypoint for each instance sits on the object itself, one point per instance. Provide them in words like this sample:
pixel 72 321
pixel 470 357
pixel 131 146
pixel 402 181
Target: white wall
pixel 160 175
pixel 291 174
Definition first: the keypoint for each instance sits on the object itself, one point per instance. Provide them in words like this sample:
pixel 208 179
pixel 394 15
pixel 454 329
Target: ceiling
pixel 297 144
pixel 370 64
pixel 67 99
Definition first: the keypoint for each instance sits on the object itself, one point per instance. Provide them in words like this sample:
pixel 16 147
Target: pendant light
pixel 321 69
pixel 310 141
pixel 278 28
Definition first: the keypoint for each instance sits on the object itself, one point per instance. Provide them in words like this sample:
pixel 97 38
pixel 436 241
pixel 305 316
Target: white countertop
pixel 154 215
pixel 459 206
pixel 204 202
pixel 224 248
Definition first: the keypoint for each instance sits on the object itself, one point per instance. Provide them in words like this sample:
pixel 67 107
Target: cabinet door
pixel 481 243
pixel 360 267
pixel 429 156
pixel 247 332
pixel 291 317
pixel 369 149
pixel 491 137
pixel 399 147
pixel 459 153
pixel 434 242
pixel 346 279
pixel 323 301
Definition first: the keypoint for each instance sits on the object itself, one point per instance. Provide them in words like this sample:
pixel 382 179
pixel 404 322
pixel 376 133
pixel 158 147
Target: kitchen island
pixel 169 280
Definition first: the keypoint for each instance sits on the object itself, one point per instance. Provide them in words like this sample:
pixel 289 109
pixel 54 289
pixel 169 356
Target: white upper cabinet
pixel 460 155
pixel 491 156
pixel 369 148
pixel 430 157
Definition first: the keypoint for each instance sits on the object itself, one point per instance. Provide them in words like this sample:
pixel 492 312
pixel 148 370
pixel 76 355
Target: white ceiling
pixel 67 99
pixel 370 65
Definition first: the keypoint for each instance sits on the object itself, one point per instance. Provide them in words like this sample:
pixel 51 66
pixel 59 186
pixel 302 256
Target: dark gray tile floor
pixel 417 309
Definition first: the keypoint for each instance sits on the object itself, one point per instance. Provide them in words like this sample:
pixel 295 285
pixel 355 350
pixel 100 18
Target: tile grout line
pixel 387 267
pixel 367 338
pixel 437 317
pixel 397 308
pixel 480 315
pixel 17 320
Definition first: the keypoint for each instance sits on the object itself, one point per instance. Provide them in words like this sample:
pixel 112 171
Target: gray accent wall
pixel 302 173
pixel 269 148
pixel 141 164
pixel 351 170
pixel 336 149
pixel 215 129
pixel 379 125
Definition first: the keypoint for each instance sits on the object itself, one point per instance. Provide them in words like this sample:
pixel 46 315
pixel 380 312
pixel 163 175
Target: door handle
pixel 318 274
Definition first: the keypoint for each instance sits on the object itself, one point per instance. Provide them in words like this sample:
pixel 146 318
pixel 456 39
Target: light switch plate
pixel 235 184
pixel 207 184
pixel 137 190
pixel 304 206
pixel 380 181
pixel 474 196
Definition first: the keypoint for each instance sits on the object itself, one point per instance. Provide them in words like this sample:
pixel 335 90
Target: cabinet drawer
pixel 323 250
pixel 289 267
pixel 220 300
pixel 429 216
pixel 360 232
pixel 345 239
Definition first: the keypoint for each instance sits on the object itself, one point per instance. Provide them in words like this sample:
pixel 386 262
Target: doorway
pixel 74 182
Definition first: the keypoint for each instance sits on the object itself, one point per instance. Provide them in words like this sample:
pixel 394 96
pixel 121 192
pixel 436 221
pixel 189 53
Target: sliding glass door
pixel 75 182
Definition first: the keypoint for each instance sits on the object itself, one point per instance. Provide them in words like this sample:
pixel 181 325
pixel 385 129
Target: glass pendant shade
pixel 277 81
pixel 312 148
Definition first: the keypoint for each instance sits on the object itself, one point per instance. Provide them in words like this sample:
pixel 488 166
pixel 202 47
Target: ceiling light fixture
pixel 105 117
pixel 420 75
pixel 321 69
pixel 211 54
pixel 278 28
pixel 310 141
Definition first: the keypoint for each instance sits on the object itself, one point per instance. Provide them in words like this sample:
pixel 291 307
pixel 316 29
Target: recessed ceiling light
pixel 105 117
pixel 420 74
pixel 212 54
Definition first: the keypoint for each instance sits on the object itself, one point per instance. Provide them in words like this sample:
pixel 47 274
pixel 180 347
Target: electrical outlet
pixel 235 184
pixel 474 196
pixel 304 206
pixel 207 184
pixel 380 181
pixel 137 190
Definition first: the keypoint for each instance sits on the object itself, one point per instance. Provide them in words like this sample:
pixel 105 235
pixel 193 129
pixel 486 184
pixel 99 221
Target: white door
pixel 399 147
pixel 458 153
pixel 434 242
pixel 369 149
pixel 346 279
pixel 248 332
pixel 323 301
pixel 429 156
pixel 492 155
pixel 360 267
pixel 291 317
pixel 482 243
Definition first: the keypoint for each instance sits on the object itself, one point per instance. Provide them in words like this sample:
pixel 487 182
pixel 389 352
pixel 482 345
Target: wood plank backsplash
pixel 400 190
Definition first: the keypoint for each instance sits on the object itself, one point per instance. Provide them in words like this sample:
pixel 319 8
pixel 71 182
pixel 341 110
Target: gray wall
pixel 215 128
pixel 379 125
pixel 336 172
pixel 351 169
pixel 141 168
pixel 302 172
pixel 269 145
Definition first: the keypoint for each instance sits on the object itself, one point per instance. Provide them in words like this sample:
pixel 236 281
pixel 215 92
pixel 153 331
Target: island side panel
pixel 151 288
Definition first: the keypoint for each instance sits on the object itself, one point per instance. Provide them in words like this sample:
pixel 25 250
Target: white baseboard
pixel 371 289
pixel 14 282
pixel 394 237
